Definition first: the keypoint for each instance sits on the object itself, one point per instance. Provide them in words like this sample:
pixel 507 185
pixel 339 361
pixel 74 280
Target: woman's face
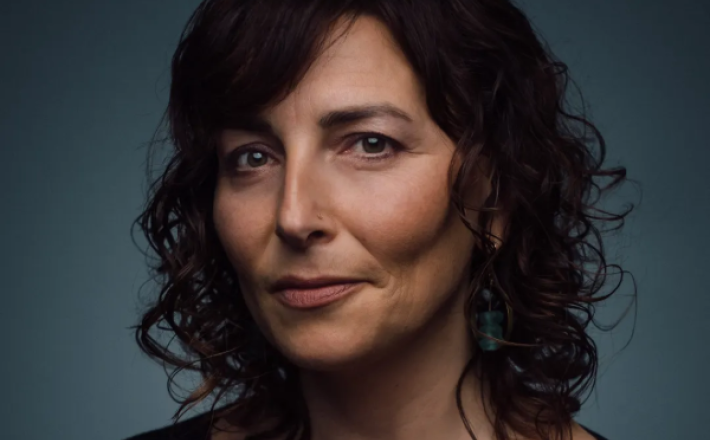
pixel 319 197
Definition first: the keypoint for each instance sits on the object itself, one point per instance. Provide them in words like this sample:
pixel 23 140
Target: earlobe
pixel 477 187
pixel 498 227
pixel 499 217
pixel 475 179
pixel 482 189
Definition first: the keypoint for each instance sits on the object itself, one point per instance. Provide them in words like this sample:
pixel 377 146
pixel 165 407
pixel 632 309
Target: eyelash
pixel 395 146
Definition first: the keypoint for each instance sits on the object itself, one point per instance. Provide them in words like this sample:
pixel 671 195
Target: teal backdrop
pixel 83 84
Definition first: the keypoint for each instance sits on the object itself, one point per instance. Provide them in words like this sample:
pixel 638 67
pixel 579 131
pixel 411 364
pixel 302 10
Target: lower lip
pixel 309 298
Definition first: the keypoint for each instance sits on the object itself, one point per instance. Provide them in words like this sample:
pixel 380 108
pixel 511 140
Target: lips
pixel 308 293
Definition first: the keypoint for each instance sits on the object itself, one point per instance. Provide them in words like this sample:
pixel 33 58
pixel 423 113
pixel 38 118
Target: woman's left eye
pixel 375 146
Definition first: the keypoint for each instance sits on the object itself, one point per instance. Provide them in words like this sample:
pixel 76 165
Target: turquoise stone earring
pixel 491 325
pixel 490 321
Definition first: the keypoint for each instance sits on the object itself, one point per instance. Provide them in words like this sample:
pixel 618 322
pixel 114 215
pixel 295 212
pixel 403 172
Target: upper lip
pixel 297 282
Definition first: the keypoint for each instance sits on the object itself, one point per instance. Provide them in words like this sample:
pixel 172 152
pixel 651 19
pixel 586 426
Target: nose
pixel 301 218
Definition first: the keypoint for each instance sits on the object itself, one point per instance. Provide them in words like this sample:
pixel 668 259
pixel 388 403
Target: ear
pixel 482 189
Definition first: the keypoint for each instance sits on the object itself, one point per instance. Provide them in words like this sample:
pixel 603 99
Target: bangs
pixel 251 57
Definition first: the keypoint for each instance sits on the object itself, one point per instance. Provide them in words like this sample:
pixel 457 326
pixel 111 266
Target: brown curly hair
pixel 495 89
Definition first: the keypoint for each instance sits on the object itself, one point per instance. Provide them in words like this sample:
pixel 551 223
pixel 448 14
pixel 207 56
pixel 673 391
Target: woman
pixel 378 222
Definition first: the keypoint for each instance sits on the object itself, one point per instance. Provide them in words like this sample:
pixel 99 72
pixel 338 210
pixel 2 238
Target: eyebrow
pixel 354 114
pixel 332 119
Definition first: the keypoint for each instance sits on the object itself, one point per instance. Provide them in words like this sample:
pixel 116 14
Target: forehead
pixel 364 65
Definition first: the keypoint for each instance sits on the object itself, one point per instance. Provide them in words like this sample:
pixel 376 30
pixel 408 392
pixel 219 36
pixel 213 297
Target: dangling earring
pixel 491 321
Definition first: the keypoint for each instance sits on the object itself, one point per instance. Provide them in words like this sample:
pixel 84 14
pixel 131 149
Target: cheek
pixel 242 232
pixel 408 226
pixel 402 217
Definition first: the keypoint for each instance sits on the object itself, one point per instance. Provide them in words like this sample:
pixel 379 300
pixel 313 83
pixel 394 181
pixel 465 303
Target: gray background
pixel 82 86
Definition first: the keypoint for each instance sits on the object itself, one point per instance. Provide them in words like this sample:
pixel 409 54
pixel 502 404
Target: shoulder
pixel 580 432
pixel 201 427
pixel 194 428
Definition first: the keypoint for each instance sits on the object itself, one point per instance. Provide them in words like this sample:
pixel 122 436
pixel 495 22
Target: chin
pixel 319 348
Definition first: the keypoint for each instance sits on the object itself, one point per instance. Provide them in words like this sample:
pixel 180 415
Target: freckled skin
pixel 317 208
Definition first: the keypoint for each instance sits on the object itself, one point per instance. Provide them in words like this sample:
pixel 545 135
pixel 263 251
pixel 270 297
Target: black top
pixel 198 428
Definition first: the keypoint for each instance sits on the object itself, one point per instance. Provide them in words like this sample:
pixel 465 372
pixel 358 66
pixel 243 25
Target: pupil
pixel 372 142
pixel 259 159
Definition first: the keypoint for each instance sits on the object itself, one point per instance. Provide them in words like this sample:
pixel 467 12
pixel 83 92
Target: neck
pixel 410 393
